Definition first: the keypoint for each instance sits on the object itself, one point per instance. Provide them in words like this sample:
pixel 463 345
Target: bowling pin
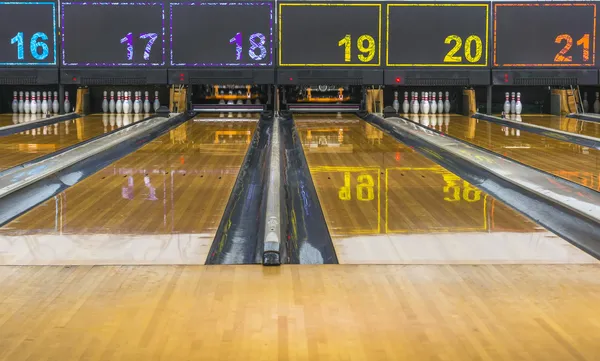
pixel 126 103
pixel 111 103
pixel 433 107
pixel 518 105
pixel 426 104
pixel 513 103
pixel 597 103
pixel 39 102
pixel 415 105
pixel 137 104
pixel 396 103
pixel 33 106
pixel 15 103
pixel 230 102
pixel 21 109
pixel 586 104
pixel 105 103
pixel 67 103
pixel 156 101
pixel 440 104
pixel 27 104
pixel 55 104
pixel 146 103
pixel 119 103
pixel 506 103
pixel 45 103
pixel 405 105
pixel 240 102
pixel 447 103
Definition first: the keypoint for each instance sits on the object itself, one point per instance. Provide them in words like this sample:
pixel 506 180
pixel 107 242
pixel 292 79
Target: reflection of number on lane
pixel 364 188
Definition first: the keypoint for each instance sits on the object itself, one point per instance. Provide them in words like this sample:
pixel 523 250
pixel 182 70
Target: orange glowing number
pixel 584 42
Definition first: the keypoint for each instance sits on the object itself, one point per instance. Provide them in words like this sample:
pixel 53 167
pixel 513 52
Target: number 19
pixel 368 52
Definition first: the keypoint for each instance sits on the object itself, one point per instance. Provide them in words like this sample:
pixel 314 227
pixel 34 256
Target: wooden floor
pixel 429 312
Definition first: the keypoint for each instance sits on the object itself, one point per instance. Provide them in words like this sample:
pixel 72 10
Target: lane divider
pixel 272 246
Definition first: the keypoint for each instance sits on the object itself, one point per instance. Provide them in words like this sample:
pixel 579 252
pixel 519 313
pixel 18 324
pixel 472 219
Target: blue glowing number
pixel 152 38
pixel 129 40
pixel 237 39
pixel 254 44
pixel 19 40
pixel 260 45
pixel 34 44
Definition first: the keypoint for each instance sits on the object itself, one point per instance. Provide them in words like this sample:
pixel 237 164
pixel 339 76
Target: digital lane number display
pixel 27 33
pixel 113 34
pixel 545 34
pixel 198 37
pixel 447 42
pixel 329 34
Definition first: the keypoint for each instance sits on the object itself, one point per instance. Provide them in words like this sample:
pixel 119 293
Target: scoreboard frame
pixel 486 51
pixel 280 63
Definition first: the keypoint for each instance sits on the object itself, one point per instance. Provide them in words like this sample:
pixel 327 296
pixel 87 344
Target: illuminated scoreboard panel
pixel 544 35
pixel 27 33
pixel 329 34
pixel 221 34
pixel 113 34
pixel 446 42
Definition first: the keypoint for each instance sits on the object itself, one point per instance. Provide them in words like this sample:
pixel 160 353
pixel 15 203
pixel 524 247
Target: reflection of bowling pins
pixel 126 120
pixel 425 120
pixel 112 121
pixel 447 122
pixel 433 120
pixel 105 118
pixel 586 104
pixel 127 191
pixel 396 103
pixel 518 119
pixel 596 104
pixel 518 105
pixel 506 103
pixel 120 120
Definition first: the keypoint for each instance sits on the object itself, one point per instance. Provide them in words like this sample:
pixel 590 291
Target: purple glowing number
pixel 237 39
pixel 129 40
pixel 152 38
pixel 260 45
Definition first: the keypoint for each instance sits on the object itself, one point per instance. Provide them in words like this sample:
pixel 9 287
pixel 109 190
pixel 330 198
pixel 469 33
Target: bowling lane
pixel 385 203
pixel 11 119
pixel 573 162
pixel 561 123
pixel 30 144
pixel 159 205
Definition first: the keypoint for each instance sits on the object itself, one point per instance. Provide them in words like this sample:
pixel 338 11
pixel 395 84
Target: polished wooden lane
pixel 333 312
pixel 11 119
pixel 560 123
pixel 30 144
pixel 385 203
pixel 573 162
pixel 160 204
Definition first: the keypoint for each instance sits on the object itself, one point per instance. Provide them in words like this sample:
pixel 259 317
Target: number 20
pixel 451 58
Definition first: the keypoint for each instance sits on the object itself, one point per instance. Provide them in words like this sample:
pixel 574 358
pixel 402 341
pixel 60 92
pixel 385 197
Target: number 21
pixel 561 57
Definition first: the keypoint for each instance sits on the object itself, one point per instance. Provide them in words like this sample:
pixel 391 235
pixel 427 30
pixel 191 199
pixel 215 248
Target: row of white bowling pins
pixel 124 104
pixel 512 106
pixel 39 103
pixel 427 105
pixel 586 104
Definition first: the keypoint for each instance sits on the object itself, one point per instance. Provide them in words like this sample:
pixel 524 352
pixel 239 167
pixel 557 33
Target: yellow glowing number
pixel 365 182
pixel 455 193
pixel 470 193
pixel 451 56
pixel 584 42
pixel 346 42
pixel 368 51
pixel 345 193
